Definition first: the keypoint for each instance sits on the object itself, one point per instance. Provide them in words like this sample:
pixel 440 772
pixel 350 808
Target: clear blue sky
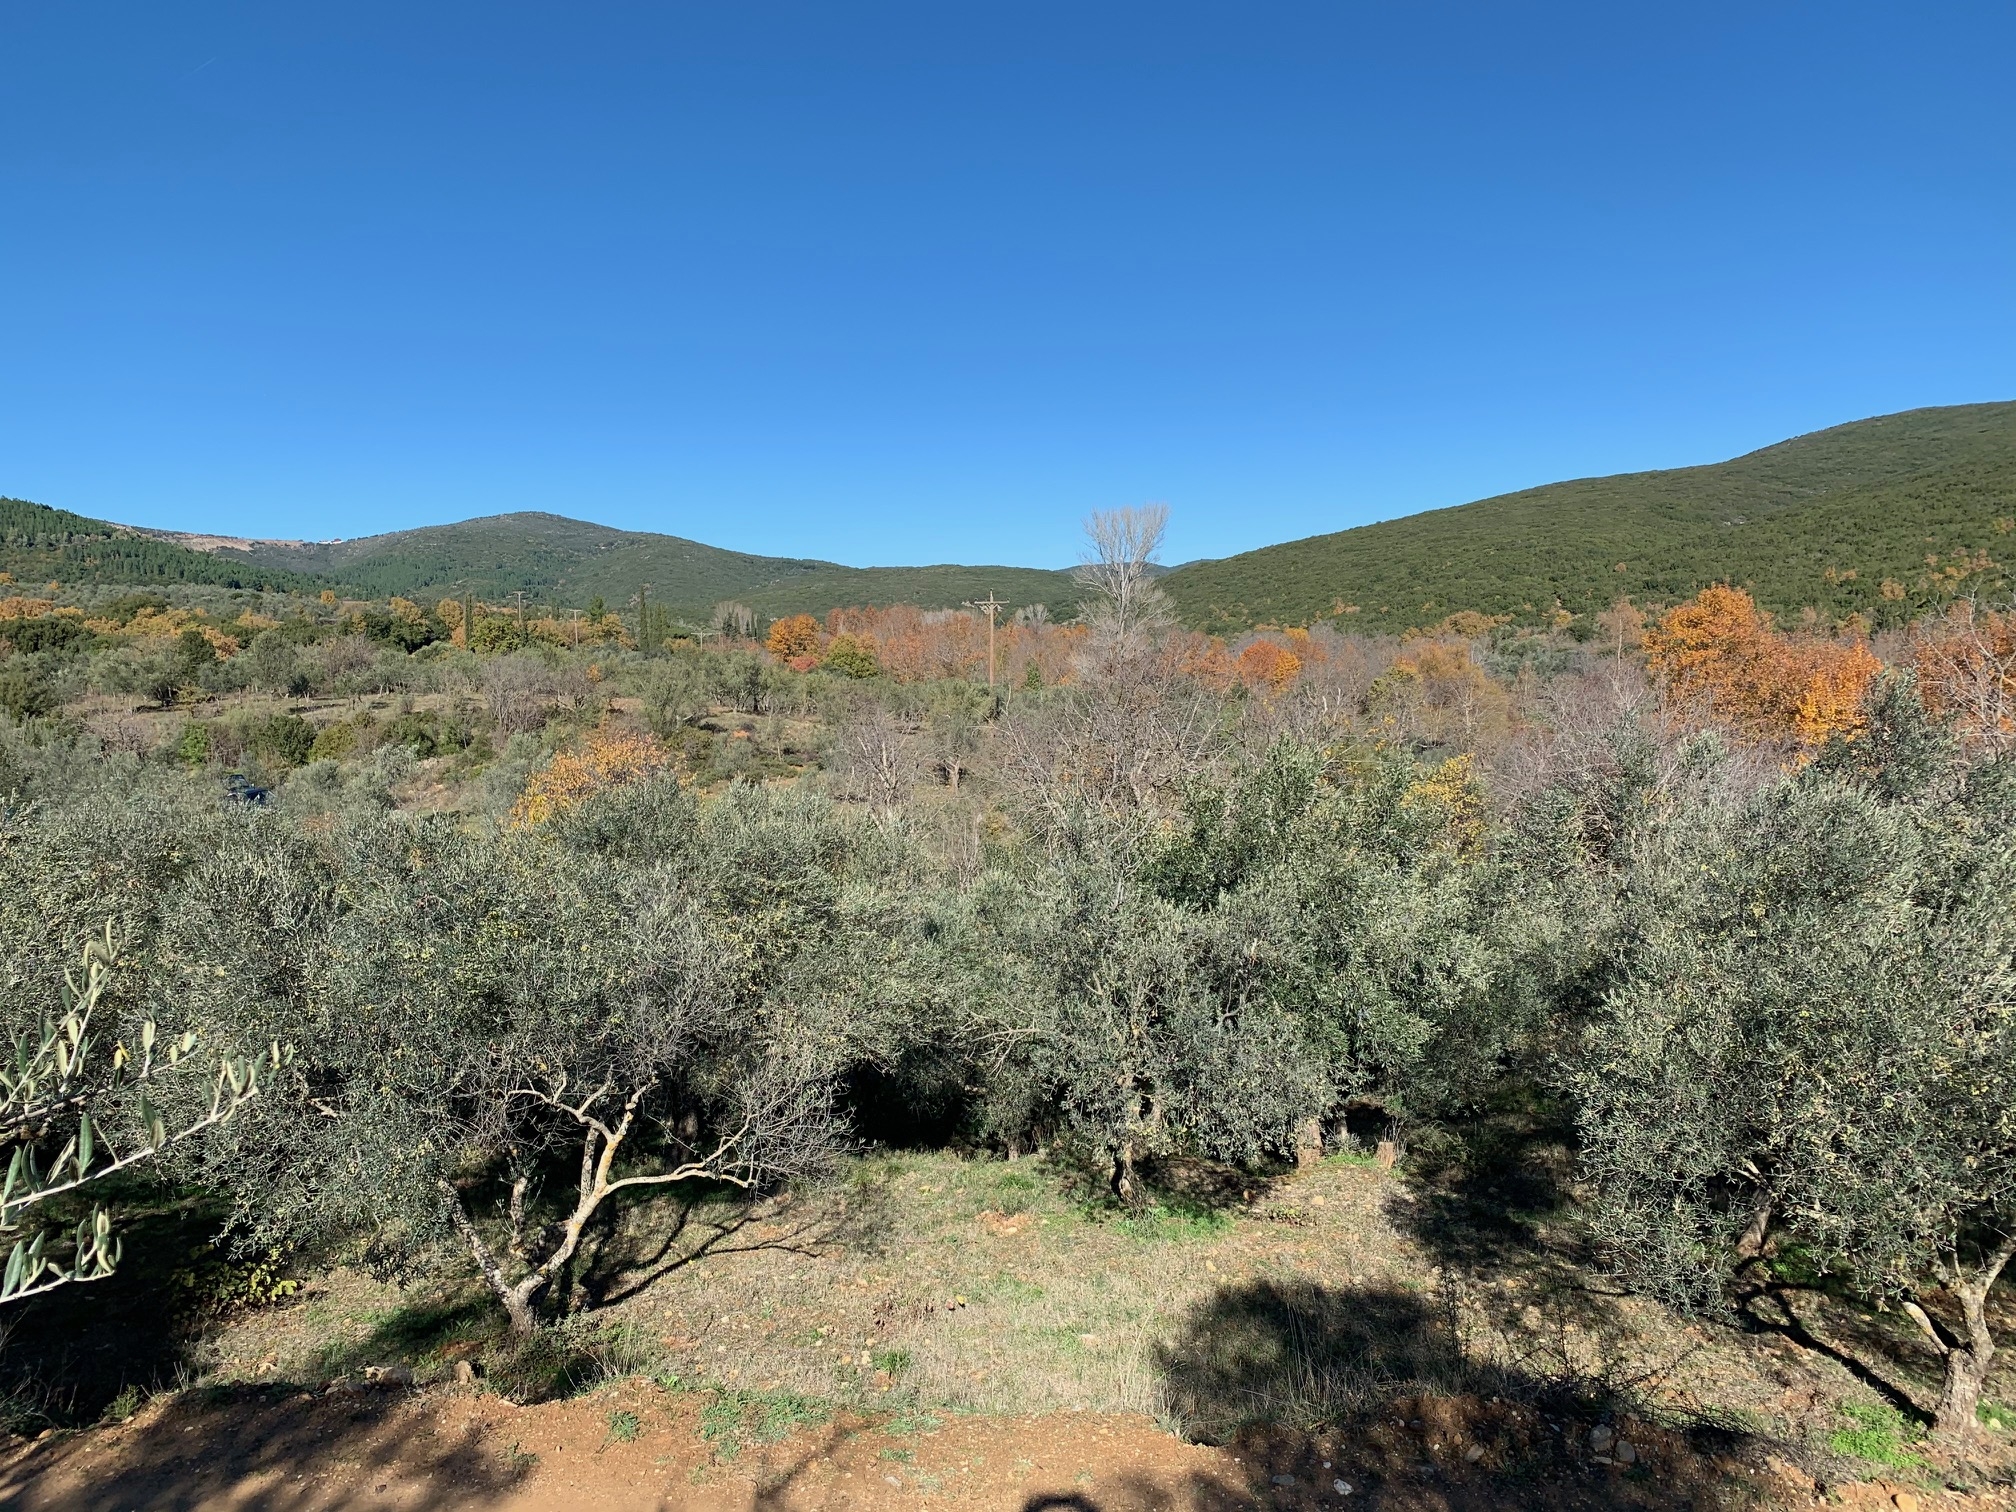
pixel 910 283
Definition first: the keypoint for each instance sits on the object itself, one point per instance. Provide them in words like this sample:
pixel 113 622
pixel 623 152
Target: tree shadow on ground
pixel 266 1452
pixel 66 1355
pixel 1374 1386
pixel 1886 1364
pixel 1494 1200
pixel 622 1256
pixel 1486 1197
pixel 1176 1183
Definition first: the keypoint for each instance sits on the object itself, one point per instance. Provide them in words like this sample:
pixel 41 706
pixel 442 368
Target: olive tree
pixel 519 1025
pixel 1122 1030
pixel 103 1069
pixel 1809 1033
pixel 1355 892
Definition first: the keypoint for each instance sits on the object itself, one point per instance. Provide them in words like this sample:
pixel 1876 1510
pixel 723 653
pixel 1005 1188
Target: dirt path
pixel 418 1452
pixel 635 1448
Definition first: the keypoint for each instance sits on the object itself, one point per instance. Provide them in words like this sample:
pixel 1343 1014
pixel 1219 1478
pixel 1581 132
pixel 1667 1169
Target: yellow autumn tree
pixel 1434 692
pixel 606 758
pixel 1720 650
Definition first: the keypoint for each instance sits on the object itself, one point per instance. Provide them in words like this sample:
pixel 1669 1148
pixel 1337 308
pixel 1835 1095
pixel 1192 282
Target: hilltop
pixel 1923 502
pixel 551 557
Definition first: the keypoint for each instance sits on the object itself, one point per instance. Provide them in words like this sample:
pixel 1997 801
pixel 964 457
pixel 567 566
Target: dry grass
pixel 929 1285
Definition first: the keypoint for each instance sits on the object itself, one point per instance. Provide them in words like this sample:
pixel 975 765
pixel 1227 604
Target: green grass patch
pixel 1174 1223
pixel 1793 1265
pixel 1352 1158
pixel 624 1426
pixel 1006 1288
pixel 1880 1435
pixel 765 1416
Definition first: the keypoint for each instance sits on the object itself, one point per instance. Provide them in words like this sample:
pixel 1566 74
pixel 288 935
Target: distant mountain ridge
pixel 1886 517
pixel 39 545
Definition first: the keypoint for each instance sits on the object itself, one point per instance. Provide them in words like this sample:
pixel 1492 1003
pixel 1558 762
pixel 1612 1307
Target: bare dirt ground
pixel 940 1332
pixel 635 1446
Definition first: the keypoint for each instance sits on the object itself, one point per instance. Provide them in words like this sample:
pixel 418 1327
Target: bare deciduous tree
pixel 1967 672
pixel 878 761
pixel 1121 742
pixel 1115 568
pixel 520 691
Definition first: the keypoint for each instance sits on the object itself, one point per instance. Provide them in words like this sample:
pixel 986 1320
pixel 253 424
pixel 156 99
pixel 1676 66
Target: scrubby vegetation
pixel 535 927
pixel 1888 519
pixel 545 558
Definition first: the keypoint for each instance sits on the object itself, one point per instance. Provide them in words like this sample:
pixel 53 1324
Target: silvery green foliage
pixel 1339 893
pixel 1809 1025
pixel 68 1085
pixel 1316 930
pixel 481 1010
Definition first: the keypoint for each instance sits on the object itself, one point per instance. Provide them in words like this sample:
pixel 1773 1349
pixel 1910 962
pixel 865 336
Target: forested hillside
pixel 1886 518
pixel 551 558
pixel 1889 519
pixel 39 544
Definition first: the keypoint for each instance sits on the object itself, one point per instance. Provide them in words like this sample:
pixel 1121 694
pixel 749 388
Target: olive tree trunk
pixel 1969 1353
pixel 600 1142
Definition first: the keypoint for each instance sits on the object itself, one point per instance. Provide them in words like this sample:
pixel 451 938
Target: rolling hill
pixel 40 545
pixel 1885 517
pixel 1923 502
pixel 551 558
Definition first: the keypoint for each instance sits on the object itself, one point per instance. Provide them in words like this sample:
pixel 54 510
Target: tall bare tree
pixel 1116 567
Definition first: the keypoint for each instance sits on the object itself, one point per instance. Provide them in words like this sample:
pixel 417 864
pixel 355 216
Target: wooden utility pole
pixel 520 596
pixel 991 606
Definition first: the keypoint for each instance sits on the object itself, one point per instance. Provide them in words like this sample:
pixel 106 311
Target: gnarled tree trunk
pixel 1123 1171
pixel 1969 1354
pixel 599 1145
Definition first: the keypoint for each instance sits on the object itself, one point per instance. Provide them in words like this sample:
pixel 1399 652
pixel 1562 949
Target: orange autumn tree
pixel 910 645
pixel 607 758
pixel 793 638
pixel 1268 666
pixel 1966 663
pixel 1721 650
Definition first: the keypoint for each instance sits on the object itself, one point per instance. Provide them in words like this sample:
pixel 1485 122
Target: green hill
pixel 1886 517
pixel 40 545
pixel 551 558
pixel 1823 520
